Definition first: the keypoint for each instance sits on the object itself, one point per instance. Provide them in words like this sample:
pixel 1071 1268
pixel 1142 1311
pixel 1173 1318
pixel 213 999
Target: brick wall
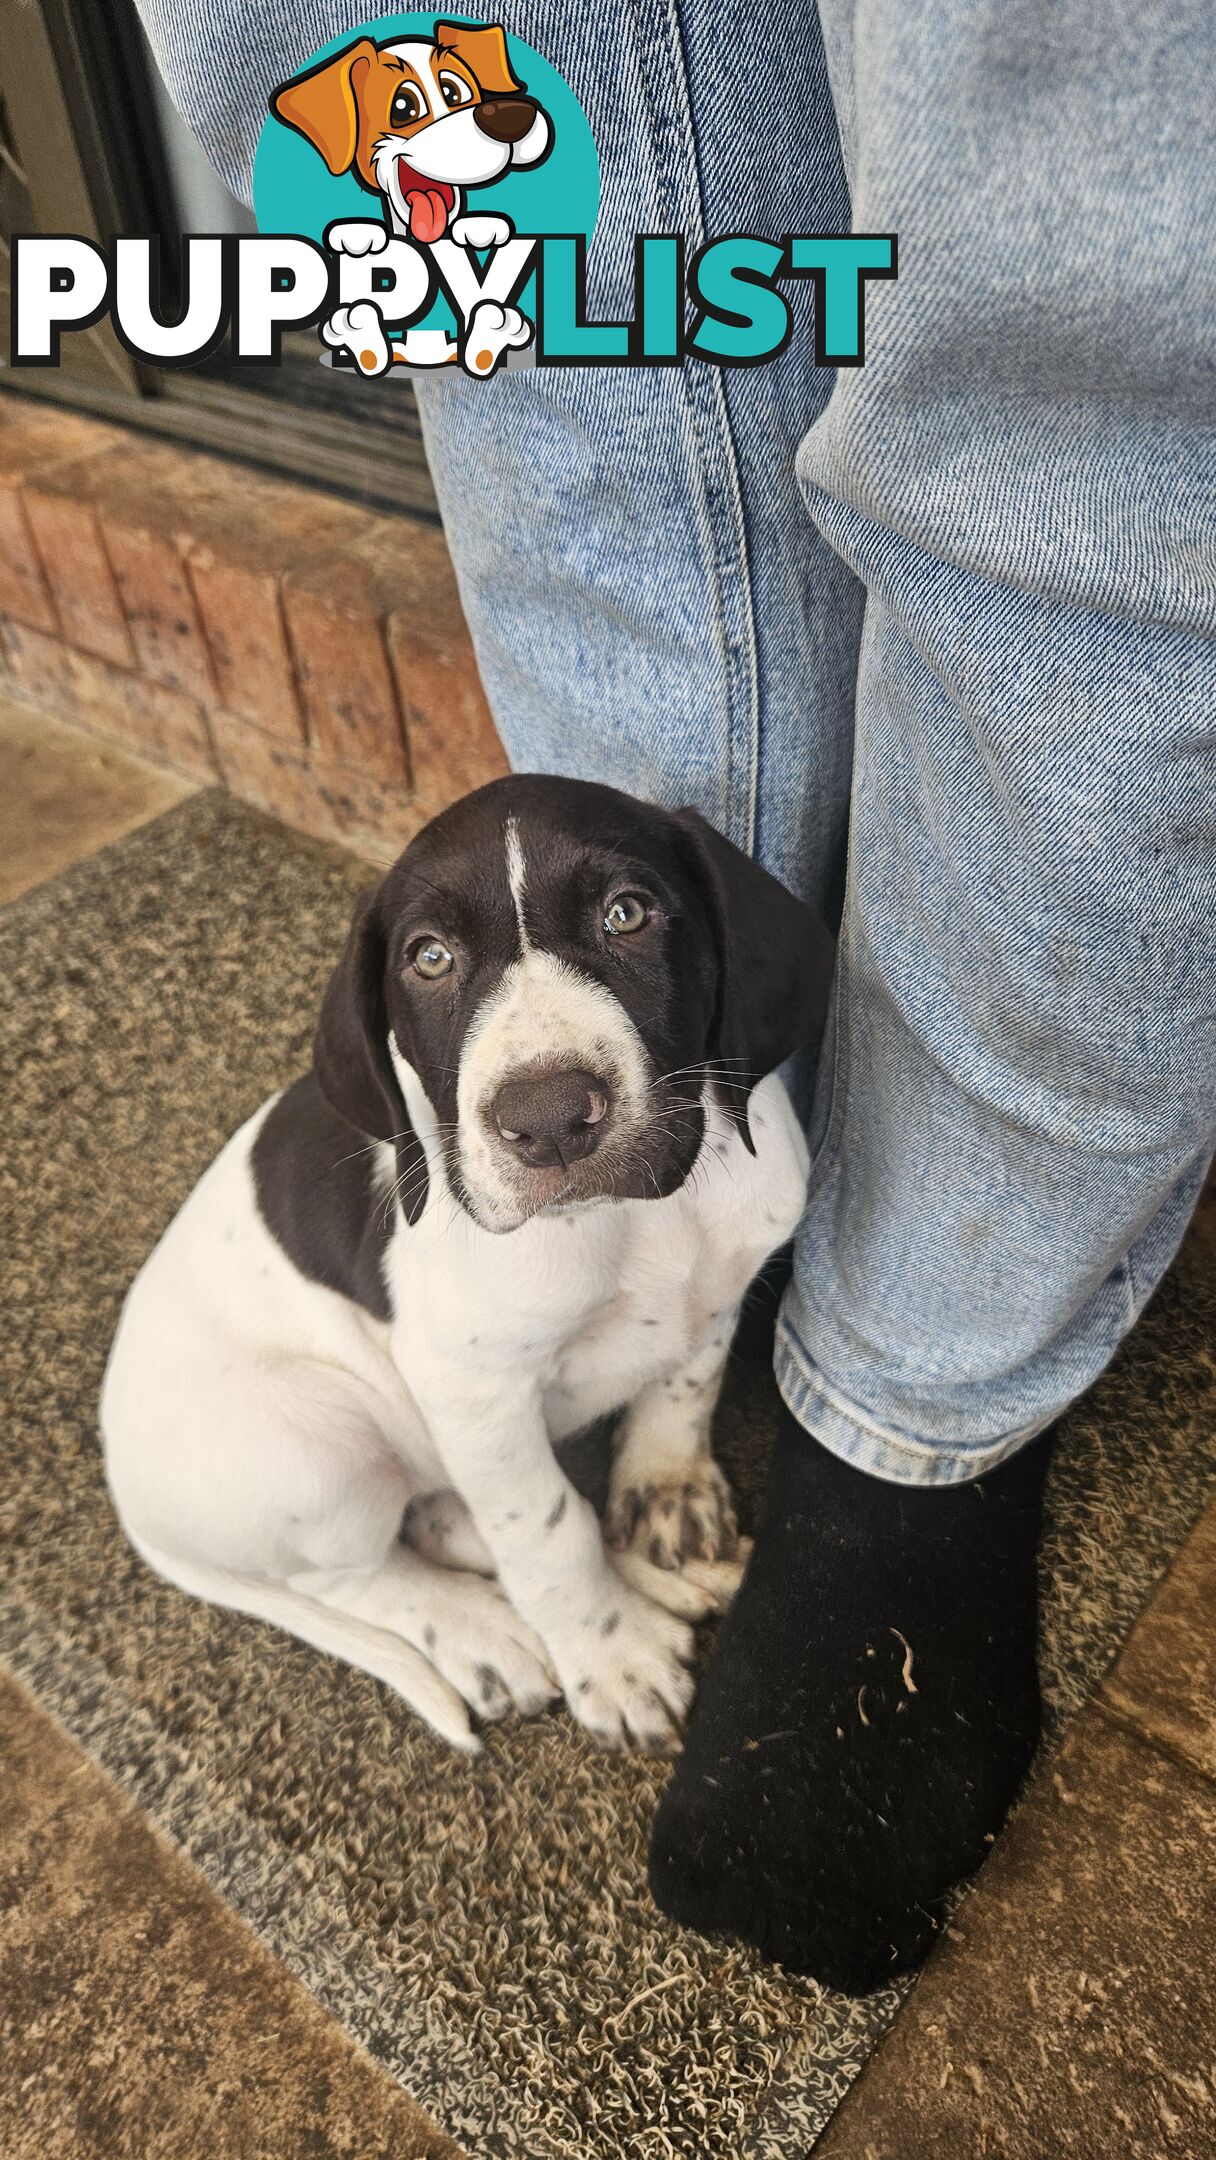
pixel 309 654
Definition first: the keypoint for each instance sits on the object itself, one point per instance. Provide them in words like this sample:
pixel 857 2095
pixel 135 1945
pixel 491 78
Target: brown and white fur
pixel 542 1152
pixel 420 121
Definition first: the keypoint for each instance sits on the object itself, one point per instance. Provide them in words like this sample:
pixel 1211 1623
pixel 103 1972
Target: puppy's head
pixel 419 119
pixel 565 970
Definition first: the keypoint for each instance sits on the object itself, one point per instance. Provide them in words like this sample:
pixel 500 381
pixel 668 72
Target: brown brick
pixel 24 592
pixel 159 606
pixel 202 501
pixel 248 643
pixel 330 801
pixel 34 438
pixel 111 701
pixel 239 533
pixel 35 435
pixel 399 574
pixel 77 569
pixel 42 665
pixel 454 744
pixel 165 723
pixel 350 697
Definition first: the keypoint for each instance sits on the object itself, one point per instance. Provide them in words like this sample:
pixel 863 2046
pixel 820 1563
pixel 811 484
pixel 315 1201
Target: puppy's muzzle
pixel 552 1117
pixel 505 120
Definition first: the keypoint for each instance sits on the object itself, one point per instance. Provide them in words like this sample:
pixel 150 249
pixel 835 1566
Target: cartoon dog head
pixel 418 120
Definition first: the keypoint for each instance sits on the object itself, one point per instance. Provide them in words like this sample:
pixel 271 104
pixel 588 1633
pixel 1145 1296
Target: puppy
pixel 420 121
pixel 540 1155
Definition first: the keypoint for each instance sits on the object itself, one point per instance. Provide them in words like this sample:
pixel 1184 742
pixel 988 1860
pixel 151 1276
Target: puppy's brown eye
pixel 627 913
pixel 407 106
pixel 430 958
pixel 456 91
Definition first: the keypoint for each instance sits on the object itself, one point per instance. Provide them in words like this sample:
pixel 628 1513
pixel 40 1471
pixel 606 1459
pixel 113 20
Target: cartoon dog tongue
pixel 428 215
pixel 430 203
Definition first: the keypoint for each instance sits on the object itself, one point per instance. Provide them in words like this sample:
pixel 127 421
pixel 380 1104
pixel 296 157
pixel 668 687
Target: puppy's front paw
pixel 694 1590
pixel 626 1675
pixel 689 1518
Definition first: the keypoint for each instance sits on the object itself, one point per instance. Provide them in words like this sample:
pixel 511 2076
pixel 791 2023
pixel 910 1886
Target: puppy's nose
pixel 504 120
pixel 554 1117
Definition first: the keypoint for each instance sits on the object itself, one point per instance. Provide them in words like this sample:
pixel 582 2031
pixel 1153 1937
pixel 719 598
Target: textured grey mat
pixel 483 1927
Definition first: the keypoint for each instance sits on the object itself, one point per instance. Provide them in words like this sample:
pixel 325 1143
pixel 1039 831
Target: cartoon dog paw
pixel 356 236
pixel 360 328
pixel 482 231
pixel 492 331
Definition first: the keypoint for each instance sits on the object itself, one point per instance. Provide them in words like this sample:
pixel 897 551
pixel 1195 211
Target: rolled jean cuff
pixel 881 1451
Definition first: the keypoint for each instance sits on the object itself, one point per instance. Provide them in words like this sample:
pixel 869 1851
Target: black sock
pixel 868 1713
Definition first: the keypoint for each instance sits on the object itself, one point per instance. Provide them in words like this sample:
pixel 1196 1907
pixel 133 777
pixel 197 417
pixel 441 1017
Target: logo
pixel 427 156
pixel 426 192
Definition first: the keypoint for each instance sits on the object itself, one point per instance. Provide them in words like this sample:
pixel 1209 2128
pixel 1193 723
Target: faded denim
pixel 958 605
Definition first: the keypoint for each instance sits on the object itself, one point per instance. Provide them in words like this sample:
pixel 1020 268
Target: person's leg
pixel 650 604
pixel 1020 1104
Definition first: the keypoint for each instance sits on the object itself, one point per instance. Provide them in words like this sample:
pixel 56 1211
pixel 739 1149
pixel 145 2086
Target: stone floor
pixel 64 795
pixel 1073 2011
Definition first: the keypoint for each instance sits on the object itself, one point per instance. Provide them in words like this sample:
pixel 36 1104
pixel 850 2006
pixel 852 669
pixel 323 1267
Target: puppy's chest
pixel 674 1284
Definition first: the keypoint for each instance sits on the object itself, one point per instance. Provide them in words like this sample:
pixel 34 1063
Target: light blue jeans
pixel 954 611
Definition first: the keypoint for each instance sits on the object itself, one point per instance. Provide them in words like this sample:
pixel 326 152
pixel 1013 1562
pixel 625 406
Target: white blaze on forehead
pixel 421 58
pixel 517 879
pixel 543 1013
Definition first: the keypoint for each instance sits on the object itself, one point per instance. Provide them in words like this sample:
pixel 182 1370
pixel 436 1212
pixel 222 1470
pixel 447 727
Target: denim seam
pixel 666 168
pixel 825 1153
pixel 1129 1284
pixel 801 1379
pixel 710 427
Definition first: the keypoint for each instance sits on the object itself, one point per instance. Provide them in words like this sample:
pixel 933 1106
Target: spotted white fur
pixel 264 1435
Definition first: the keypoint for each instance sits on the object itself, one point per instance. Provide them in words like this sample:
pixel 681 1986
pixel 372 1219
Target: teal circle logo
pixel 318 163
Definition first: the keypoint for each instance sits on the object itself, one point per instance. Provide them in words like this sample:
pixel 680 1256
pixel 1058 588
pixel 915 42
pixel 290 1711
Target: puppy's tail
pixel 324 1627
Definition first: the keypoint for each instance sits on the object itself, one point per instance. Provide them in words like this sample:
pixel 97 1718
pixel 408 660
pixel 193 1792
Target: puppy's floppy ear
pixel 323 105
pixel 484 52
pixel 350 1052
pixel 775 960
